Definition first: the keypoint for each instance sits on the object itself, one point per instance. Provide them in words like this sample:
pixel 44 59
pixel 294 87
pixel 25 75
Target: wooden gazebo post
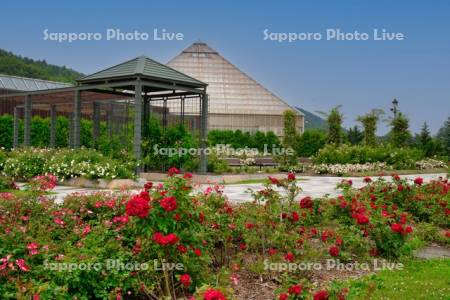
pixel 137 120
pixel 203 134
pixel 27 121
pixel 76 119
pixel 16 128
pixel 52 126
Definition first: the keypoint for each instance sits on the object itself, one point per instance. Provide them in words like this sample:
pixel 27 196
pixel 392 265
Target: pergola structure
pixel 142 82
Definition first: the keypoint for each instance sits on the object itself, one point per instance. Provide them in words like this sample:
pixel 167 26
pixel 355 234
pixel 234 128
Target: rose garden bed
pixel 166 242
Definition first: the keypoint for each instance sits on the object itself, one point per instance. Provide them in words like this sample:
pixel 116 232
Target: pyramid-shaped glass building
pixel 236 101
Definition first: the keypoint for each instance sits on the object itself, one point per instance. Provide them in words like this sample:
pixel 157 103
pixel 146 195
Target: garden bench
pixel 265 162
pixel 233 162
pixel 260 162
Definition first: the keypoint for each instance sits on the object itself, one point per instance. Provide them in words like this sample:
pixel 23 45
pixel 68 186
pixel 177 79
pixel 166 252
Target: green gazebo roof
pixel 143 67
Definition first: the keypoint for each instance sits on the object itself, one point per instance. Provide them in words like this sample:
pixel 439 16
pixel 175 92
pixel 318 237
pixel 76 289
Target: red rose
pixel 148 185
pixel 144 195
pixel 22 265
pixel 33 248
pixel 168 203
pixel 242 246
pixel 289 257
pixel 86 229
pixel 408 229
pixel 137 206
pixel 418 180
pixel 306 202
pixel 212 294
pixel 249 225
pixel 59 221
pixel 295 216
pixel 367 179
pixel 172 171
pixel 291 176
pixel 295 289
pixel 272 251
pixel 187 175
pixel 325 235
pixel 185 280
pixel 198 252
pixel 321 295
pixel 362 219
pixel 283 296
pixel 334 251
pixel 182 248
pixel 163 240
pixel 274 180
pixel 397 228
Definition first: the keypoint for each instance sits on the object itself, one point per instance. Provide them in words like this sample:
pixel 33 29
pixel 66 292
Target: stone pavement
pixel 314 186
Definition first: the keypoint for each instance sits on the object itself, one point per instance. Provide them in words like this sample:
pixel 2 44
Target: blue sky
pixel 315 75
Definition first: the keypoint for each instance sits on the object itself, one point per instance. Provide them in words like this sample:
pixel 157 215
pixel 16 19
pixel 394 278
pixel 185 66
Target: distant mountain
pixel 12 64
pixel 312 120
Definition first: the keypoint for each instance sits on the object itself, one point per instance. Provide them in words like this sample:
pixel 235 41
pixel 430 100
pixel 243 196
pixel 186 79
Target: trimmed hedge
pixel 399 158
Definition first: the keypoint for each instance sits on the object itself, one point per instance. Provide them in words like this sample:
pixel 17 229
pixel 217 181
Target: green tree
pixel 369 122
pixel 290 139
pixel 425 135
pixel 289 129
pixel 399 134
pixel 355 136
pixel 311 141
pixel 426 143
pixel 444 137
pixel 334 120
pixel 272 139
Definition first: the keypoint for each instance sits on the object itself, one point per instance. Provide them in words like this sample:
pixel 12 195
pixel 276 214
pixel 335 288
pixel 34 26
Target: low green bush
pixel 238 139
pixel 399 158
pixel 310 142
pixel 64 163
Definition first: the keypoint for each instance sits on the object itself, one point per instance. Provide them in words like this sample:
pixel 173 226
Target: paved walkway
pixel 314 186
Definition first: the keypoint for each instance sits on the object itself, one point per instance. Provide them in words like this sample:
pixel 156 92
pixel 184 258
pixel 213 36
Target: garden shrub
pixel 6 132
pixel 215 241
pixel 26 163
pixel 6 183
pixel 310 142
pixel 399 158
pixel 40 132
pixel 238 139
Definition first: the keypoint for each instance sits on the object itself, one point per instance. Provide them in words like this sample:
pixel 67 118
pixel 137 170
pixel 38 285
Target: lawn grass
pixel 420 279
